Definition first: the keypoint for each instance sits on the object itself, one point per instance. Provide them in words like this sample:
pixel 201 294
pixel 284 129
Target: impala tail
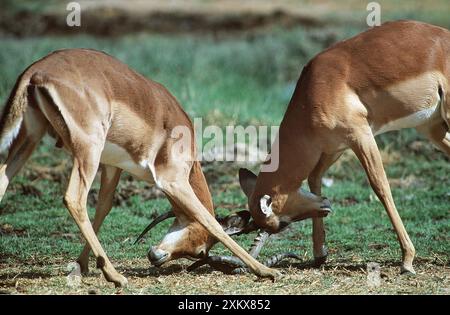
pixel 13 113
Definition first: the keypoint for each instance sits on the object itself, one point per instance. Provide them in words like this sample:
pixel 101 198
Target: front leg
pixel 315 185
pixel 319 249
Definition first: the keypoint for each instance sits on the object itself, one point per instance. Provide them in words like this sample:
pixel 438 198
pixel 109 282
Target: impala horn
pixel 227 264
pixel 155 222
pixel 271 262
pixel 258 243
pixel 233 265
pixel 238 223
pixel 234 224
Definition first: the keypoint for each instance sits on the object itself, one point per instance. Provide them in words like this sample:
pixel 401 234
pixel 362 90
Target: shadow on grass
pixel 152 271
pixel 9 280
pixel 206 269
pixel 338 265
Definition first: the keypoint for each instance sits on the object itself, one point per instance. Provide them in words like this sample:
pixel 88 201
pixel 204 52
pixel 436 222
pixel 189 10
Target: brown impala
pixel 390 77
pixel 105 114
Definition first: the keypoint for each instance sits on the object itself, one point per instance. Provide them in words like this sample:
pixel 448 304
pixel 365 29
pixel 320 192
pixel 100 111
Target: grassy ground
pixel 247 79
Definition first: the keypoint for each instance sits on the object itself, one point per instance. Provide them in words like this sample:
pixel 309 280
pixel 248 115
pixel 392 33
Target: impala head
pixel 273 210
pixel 188 239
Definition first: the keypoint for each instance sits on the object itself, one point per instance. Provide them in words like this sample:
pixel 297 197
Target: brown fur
pixel 13 110
pixel 344 95
pixel 89 100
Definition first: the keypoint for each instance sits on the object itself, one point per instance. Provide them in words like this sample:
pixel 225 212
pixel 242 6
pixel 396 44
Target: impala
pixel 390 77
pixel 105 114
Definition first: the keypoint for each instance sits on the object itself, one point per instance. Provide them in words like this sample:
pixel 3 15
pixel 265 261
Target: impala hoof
pixel 407 271
pixel 320 256
pixel 84 267
pixel 122 282
pixel 319 261
pixel 270 273
pixel 116 278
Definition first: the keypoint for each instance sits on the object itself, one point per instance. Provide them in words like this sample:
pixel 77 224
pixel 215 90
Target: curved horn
pixel 237 223
pixel 198 264
pixel 233 265
pixel 229 260
pixel 152 224
pixel 274 260
pixel 226 264
pixel 271 262
pixel 258 243
pixel 266 205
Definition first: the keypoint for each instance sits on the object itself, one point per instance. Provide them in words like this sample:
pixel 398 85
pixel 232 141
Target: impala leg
pixel 315 185
pixel 109 180
pixel 439 135
pixel 83 173
pixel 182 194
pixel 367 152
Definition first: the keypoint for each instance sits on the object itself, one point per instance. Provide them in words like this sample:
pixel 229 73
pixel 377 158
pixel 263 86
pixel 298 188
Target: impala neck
pixel 297 152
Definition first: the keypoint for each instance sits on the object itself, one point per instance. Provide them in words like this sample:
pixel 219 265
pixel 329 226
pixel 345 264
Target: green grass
pixel 243 80
pixel 234 80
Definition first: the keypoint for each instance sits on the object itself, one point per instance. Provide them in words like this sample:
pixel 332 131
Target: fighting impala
pixel 106 115
pixel 390 77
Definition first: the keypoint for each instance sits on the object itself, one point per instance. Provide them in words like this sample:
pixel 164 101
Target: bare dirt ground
pixel 117 17
pixel 337 277
pixel 113 17
pixel 345 273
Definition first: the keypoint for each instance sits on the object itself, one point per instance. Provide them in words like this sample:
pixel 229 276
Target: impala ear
pixel 265 204
pixel 237 223
pixel 247 180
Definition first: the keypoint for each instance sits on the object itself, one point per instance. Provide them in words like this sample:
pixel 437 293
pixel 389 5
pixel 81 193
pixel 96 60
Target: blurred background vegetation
pixel 229 62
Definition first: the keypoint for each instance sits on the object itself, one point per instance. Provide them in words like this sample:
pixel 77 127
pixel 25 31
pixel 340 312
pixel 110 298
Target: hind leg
pixel 315 185
pixel 439 135
pixel 109 180
pixel 85 165
pixel 31 132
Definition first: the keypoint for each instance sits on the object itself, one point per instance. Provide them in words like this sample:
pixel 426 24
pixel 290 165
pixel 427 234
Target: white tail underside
pixel 10 135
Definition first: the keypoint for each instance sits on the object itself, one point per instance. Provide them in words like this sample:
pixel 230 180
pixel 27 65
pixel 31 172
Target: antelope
pixel 387 78
pixel 106 115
